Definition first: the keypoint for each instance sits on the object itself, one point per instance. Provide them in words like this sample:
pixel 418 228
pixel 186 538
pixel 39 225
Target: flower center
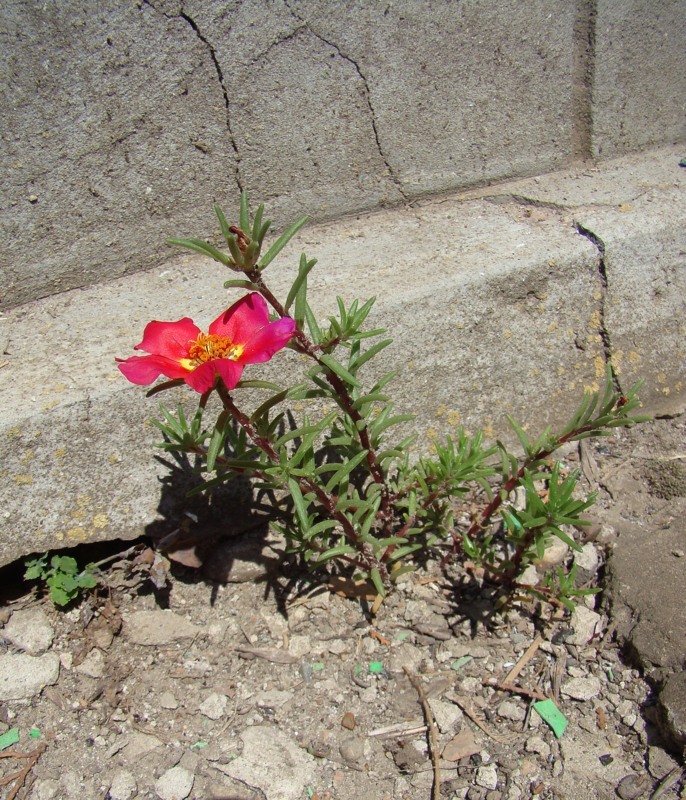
pixel 210 346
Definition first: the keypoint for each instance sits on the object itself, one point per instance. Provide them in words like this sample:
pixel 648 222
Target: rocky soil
pixel 283 689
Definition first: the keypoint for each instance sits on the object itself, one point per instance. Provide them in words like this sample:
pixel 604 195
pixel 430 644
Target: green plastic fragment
pixel 375 667
pixel 198 745
pixel 317 666
pixel 457 665
pixel 401 636
pixel 9 738
pixel 35 733
pixel 550 713
pixel 610 674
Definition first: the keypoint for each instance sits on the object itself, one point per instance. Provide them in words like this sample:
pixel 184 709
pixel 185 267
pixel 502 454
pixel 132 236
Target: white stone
pixel 167 700
pixel 487 776
pixel 45 789
pixel 587 560
pixel 175 784
pixel 299 645
pixel 582 688
pixel 23 676
pixel 157 628
pixel 536 744
pixel 30 630
pixel 586 624
pixel 530 576
pixel 123 786
pixel 214 705
pixel 447 715
pixel 555 553
pixel 93 664
pixel 508 709
pixel 272 698
pixel 272 761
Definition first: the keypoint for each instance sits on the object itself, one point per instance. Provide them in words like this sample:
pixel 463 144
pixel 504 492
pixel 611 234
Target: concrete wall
pixel 124 121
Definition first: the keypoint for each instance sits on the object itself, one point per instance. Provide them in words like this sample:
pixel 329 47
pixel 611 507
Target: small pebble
pixel 487 776
pixel 213 706
pixel 123 786
pixel 175 784
pixel 632 786
pixel 511 710
pixel 352 749
pixel 348 721
pixel 535 744
pixel 582 688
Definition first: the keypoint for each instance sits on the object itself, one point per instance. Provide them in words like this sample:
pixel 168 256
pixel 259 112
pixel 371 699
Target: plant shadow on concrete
pixel 341 492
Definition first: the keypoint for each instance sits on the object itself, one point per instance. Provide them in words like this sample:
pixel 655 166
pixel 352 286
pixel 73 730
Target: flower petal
pixel 143 370
pixel 265 342
pixel 243 319
pixel 169 339
pixel 202 378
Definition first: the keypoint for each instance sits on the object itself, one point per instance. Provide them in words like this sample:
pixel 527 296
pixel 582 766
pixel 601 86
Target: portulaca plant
pixel 348 496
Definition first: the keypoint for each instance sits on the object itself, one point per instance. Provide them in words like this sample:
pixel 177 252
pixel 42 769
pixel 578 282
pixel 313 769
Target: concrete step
pixel 505 300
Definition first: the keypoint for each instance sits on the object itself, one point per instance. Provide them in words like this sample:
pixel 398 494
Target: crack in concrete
pixel 536 202
pixel 367 94
pixel 225 92
pixel 288 37
pixel 603 331
pixel 220 76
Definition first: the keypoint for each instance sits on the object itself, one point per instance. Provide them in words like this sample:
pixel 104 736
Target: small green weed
pixel 63 577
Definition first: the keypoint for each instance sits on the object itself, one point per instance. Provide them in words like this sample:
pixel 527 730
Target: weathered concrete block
pixel 639 75
pixel 460 92
pixel 114 131
pixel 122 122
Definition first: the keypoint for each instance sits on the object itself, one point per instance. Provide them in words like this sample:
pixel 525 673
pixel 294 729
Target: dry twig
pixel 20 775
pixel 431 725
pixel 468 709
pixel 524 660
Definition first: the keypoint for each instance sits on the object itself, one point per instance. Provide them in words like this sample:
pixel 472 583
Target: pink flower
pixel 242 335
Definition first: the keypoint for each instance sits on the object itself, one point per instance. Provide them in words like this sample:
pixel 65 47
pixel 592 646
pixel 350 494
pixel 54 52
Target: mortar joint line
pixel 367 94
pixel 603 331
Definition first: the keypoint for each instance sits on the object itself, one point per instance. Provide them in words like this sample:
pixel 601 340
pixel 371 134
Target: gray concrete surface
pixel 639 75
pixel 497 304
pixel 122 122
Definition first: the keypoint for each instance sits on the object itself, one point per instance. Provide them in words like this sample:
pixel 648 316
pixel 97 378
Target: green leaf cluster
pixel 62 577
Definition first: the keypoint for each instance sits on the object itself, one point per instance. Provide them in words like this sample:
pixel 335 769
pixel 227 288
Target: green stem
pixel 308 348
pixel 326 500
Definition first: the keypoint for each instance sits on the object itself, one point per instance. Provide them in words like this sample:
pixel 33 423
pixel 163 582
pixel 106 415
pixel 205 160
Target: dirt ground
pixel 279 688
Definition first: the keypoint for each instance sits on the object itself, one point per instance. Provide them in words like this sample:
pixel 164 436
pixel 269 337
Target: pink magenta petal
pixel 267 341
pixel 230 372
pixel 169 339
pixel 245 317
pixel 202 378
pixel 143 370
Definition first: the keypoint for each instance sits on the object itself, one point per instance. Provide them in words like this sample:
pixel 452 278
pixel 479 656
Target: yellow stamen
pixel 210 346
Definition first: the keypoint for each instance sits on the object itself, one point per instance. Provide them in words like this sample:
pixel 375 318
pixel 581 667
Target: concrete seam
pixel 603 330
pixel 535 202
pixel 583 78
pixel 367 94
